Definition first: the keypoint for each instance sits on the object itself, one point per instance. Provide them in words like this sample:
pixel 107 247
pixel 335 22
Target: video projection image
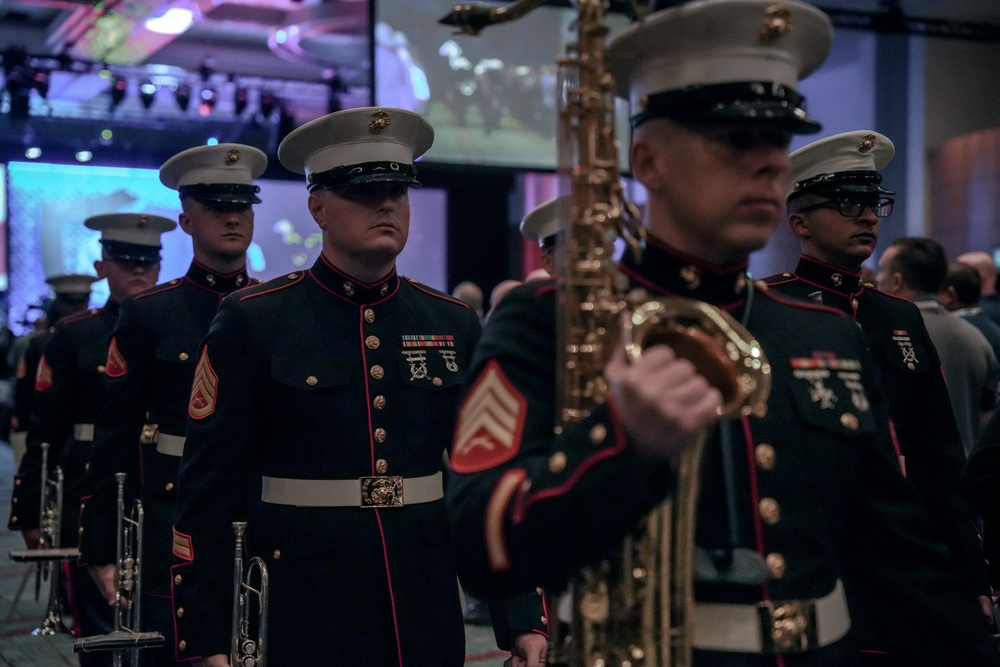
pixel 49 202
pixel 491 98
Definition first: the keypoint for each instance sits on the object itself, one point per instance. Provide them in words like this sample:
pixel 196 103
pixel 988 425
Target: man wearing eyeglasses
pixel 835 207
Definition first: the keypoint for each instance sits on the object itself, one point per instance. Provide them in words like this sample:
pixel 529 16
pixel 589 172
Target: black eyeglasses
pixel 851 207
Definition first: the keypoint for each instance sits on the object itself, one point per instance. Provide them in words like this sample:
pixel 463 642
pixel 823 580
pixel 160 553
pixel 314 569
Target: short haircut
pixel 965 280
pixel 921 262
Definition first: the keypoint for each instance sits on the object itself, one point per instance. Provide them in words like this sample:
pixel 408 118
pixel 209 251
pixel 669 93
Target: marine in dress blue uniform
pixel 70 392
pixel 150 366
pixel 71 296
pixel 25 500
pixel 843 174
pixel 322 407
pixel 810 493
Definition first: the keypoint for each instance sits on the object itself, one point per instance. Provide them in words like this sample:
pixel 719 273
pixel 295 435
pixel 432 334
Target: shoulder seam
pixel 443 297
pixel 780 279
pixel 294 281
pixel 79 317
pixel 159 289
pixel 803 305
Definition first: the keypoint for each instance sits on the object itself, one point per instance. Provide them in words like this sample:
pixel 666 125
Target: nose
pixel 868 215
pixel 772 162
pixel 386 205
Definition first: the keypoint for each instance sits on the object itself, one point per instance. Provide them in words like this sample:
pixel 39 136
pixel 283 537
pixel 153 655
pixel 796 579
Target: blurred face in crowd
pixel 716 191
pixel 127 276
pixel 887 279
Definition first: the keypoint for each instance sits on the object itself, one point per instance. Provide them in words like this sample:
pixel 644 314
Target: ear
pixel 799 225
pixel 184 220
pixel 893 282
pixel 645 168
pixel 317 209
pixel 948 297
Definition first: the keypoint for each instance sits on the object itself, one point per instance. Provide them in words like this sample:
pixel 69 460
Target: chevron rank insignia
pixel 490 423
pixel 204 388
pixel 43 378
pixel 116 366
pixel 183 548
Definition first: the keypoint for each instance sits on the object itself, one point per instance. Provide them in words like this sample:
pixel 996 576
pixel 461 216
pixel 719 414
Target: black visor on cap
pixel 763 102
pixel 841 182
pixel 131 251
pixel 366 172
pixel 74 298
pixel 223 193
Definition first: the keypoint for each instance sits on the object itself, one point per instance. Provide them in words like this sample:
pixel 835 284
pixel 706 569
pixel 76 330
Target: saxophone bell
pixel 721 349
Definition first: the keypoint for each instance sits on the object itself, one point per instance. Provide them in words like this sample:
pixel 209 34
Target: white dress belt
pixel 83 432
pixel 171 445
pixel 782 626
pixel 375 491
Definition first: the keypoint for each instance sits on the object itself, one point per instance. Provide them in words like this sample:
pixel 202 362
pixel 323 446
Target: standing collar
pixel 666 270
pixel 968 311
pixel 351 289
pixel 204 277
pixel 828 277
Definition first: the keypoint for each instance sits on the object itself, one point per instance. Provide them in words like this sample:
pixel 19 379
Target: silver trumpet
pixel 248 650
pixel 126 637
pixel 49 557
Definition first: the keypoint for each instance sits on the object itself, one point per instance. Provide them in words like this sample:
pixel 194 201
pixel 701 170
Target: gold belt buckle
pixel 788 626
pixel 382 491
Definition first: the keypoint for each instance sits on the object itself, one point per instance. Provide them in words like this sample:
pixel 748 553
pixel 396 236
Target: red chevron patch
pixel 204 389
pixel 116 366
pixel 43 378
pixel 490 423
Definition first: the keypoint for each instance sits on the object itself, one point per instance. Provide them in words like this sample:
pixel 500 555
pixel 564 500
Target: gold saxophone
pixel 633 609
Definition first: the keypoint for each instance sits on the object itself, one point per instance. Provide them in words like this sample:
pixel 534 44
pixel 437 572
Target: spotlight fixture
pixel 13 58
pixel 118 88
pixel 183 96
pixel 15 81
pixel 337 88
pixel 268 102
pixel 240 98
pixel 147 93
pixel 65 61
pixel 40 82
pixel 18 86
pixel 207 68
pixel 208 99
